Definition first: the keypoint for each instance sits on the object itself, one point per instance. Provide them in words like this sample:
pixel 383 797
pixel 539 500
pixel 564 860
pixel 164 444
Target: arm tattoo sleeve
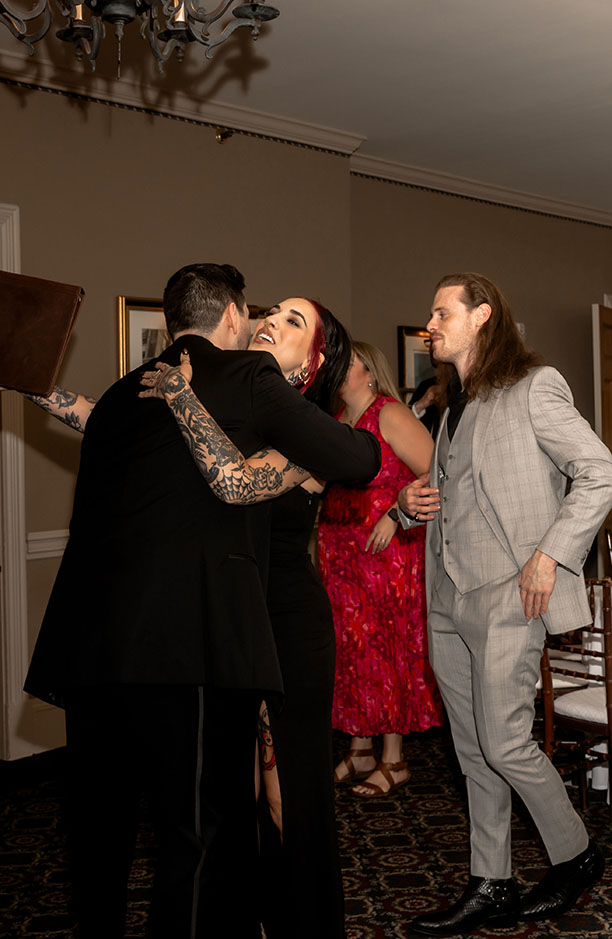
pixel 233 479
pixel 73 409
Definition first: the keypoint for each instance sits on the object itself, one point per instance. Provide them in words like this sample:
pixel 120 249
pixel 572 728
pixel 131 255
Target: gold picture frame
pixel 142 331
pixel 414 362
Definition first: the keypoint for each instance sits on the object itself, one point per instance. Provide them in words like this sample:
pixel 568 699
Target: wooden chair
pixel 575 721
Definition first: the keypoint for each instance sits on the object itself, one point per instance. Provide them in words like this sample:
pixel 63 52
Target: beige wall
pixel 551 270
pixel 116 200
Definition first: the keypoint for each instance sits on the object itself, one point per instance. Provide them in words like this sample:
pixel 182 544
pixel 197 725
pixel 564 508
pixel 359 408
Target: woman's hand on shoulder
pixel 166 381
pixel 408 438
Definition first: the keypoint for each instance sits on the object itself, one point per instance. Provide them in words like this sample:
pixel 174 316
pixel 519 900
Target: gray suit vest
pixel 471 554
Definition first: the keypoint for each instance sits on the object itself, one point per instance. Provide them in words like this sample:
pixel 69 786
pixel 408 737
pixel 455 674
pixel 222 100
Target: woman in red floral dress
pixel 374 574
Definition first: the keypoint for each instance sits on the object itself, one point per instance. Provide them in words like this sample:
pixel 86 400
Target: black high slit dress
pixel 302 883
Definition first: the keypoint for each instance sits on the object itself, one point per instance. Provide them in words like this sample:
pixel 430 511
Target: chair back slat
pixel 593 644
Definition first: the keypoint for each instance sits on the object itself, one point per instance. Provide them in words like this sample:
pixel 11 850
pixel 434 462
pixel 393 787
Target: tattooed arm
pixel 231 477
pixel 73 409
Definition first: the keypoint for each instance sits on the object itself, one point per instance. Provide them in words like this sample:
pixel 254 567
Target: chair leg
pixel 582 782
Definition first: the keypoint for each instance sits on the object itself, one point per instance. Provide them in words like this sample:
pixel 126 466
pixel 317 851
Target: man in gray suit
pixel 504 564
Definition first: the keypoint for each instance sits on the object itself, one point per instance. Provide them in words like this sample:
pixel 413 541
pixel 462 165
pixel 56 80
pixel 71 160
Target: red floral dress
pixel 384 683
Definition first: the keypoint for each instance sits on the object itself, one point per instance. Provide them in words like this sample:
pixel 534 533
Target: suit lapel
pixel 433 469
pixel 485 415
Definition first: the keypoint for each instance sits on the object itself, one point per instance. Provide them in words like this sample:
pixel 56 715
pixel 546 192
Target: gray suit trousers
pixel 486 659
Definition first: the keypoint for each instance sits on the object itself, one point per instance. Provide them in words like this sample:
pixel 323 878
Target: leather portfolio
pixel 36 319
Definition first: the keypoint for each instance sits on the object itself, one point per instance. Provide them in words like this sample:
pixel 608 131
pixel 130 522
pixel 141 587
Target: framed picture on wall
pixel 256 313
pixel 142 331
pixel 414 363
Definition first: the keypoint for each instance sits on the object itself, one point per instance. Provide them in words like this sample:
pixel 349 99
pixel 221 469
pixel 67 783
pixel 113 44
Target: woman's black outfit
pixel 302 883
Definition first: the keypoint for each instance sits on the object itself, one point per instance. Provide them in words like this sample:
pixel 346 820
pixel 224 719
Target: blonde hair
pixel 376 363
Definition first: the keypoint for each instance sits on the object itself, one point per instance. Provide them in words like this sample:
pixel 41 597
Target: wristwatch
pixel 393 514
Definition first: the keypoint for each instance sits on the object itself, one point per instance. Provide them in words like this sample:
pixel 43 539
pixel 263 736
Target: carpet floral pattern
pixel 401 856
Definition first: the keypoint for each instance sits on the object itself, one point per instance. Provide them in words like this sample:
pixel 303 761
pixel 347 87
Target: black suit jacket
pixel 161 582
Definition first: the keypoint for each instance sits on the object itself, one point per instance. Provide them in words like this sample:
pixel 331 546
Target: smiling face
pixel 287 332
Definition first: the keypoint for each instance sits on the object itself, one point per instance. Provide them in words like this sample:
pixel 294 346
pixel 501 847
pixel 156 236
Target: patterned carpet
pixel 402 855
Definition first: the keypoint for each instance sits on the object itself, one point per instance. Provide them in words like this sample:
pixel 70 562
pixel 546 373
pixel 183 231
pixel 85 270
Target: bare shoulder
pixel 397 423
pixel 394 414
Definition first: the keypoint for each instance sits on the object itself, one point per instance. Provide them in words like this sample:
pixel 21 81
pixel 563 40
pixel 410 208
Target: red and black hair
pixel 321 385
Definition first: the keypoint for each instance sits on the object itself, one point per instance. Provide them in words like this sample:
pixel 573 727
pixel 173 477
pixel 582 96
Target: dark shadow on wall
pixel 198 79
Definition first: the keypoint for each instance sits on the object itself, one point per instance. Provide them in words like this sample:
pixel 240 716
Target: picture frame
pixel 142 331
pixel 414 363
pixel 256 313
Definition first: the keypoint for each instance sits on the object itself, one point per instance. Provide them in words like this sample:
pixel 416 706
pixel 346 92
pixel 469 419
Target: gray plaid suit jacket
pixel 543 479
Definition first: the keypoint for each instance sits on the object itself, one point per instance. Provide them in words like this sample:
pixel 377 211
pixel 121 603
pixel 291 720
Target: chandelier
pixel 184 22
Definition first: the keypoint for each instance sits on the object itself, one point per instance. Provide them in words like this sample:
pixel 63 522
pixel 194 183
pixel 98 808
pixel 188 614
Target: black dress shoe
pixel 495 902
pixel 563 884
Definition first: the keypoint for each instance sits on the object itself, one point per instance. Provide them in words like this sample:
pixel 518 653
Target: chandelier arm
pixel 16 28
pixel 44 29
pixel 39 9
pixel 227 32
pixel 17 24
pixel 91 51
pixel 162 54
pixel 201 16
pixel 66 9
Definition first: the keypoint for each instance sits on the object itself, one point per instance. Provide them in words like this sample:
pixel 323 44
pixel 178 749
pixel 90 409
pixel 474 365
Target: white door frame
pixel 13 592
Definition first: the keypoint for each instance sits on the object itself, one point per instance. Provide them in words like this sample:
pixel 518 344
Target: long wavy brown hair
pixel 501 358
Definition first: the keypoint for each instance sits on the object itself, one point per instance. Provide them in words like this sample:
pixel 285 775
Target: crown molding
pixel 472 189
pixel 40 72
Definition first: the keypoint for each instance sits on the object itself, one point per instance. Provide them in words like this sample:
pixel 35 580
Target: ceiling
pixel 511 93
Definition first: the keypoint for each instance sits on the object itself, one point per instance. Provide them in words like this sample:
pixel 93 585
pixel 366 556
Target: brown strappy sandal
pixel 386 769
pixel 351 772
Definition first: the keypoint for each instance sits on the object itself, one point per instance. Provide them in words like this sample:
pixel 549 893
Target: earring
pixel 369 384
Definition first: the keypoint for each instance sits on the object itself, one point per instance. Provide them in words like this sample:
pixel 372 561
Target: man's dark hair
pixel 196 296
pixel 500 358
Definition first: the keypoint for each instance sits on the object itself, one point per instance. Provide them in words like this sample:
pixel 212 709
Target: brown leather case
pixel 36 319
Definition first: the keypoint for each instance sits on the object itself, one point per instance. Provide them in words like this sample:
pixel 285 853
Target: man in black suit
pixel 157 639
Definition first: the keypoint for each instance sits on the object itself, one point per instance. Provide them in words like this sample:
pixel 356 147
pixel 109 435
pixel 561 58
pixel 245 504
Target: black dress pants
pixel 193 749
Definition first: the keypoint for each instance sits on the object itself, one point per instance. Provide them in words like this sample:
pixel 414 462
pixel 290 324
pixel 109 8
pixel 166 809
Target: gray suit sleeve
pixel 567 438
